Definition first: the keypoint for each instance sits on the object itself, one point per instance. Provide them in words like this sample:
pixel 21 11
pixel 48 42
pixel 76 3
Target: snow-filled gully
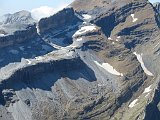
pixel 108 68
pixel 139 58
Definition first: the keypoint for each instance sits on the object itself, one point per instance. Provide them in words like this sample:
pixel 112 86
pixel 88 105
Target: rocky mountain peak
pixel 95 60
pixel 21 17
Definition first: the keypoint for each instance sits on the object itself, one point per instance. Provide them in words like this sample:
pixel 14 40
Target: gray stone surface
pixel 71 67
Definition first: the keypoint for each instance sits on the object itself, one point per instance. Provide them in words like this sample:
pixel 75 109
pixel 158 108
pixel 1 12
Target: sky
pixel 38 8
pixel 35 6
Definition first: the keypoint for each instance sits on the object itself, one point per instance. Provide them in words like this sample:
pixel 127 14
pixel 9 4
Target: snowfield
pixel 79 39
pixel 84 29
pixel 132 104
pixel 28 61
pixel 148 89
pixel 109 68
pixel 38 30
pixel 110 38
pixel 133 17
pixel 139 58
pixel 86 16
pixel 39 58
pixel 1 35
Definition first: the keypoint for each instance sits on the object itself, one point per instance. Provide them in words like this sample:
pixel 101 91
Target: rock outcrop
pixel 97 59
pixel 19 36
pixel 61 19
pixel 157 6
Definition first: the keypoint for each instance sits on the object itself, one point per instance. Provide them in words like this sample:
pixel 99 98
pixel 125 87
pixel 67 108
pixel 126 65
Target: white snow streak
pixel 1 35
pixel 28 61
pixel 147 95
pixel 148 89
pixel 156 45
pixel 85 29
pixel 109 68
pixel 39 58
pixel 133 17
pixel 118 37
pixel 133 103
pixel 139 58
pixel 86 16
pixel 79 39
pixel 110 38
pixel 38 30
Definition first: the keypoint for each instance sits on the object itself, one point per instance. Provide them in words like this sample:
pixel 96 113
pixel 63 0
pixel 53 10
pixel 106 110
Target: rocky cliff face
pixel 17 28
pixel 19 37
pixel 59 20
pixel 157 6
pixel 97 59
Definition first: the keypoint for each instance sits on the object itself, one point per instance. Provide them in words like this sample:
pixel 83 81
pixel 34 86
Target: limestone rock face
pixel 157 6
pixel 95 60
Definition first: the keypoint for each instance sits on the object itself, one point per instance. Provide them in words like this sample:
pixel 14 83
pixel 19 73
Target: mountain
pixel 94 60
pixel 10 23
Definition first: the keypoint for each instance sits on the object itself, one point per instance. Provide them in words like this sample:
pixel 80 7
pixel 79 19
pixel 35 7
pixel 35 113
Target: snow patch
pixel 110 38
pixel 86 16
pixel 139 58
pixel 118 37
pixel 148 89
pixel 38 30
pixel 85 29
pixel 1 35
pixel 100 85
pixel 113 43
pixel 28 61
pixel 84 23
pixel 39 58
pixel 133 17
pixel 147 95
pixel 109 68
pixel 79 39
pixel 132 104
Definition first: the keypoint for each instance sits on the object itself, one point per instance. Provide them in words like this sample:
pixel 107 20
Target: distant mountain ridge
pixel 21 17
pixel 10 23
pixel 93 60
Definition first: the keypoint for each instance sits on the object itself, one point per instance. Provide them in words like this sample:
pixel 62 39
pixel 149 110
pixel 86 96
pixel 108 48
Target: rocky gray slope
pixel 96 59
